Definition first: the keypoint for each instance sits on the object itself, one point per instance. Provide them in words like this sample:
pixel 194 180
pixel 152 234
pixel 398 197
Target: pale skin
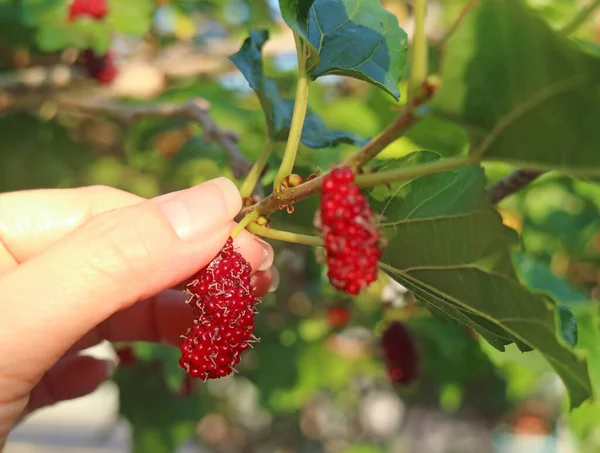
pixel 78 266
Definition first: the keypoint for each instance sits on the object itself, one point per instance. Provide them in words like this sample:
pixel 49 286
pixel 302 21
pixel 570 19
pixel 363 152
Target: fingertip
pixel 256 251
pixel 231 194
pixel 195 212
pixel 265 282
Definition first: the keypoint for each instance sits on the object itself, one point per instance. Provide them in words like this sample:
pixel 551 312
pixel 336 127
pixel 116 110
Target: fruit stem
pixel 298 116
pixel 248 219
pixel 386 177
pixel 256 170
pixel 285 236
pixel 419 64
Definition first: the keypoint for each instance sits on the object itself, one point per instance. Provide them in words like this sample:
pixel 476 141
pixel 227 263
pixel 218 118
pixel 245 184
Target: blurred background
pixel 316 382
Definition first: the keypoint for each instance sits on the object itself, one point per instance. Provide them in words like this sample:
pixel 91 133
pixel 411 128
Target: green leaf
pixel 164 420
pixel 296 14
pixel 528 96
pixel 314 131
pixel 353 38
pixel 132 17
pixel 448 245
pixel 444 344
pixel 586 313
pixel 278 111
pixel 54 35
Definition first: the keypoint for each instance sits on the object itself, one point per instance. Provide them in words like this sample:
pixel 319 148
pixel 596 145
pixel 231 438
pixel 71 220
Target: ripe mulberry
pixel 338 317
pixel 96 9
pixel 351 238
pixel 100 67
pixel 400 353
pixel 224 307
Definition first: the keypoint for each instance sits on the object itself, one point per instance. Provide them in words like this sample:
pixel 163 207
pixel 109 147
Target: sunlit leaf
pixel 528 96
pixel 448 245
pixel 354 38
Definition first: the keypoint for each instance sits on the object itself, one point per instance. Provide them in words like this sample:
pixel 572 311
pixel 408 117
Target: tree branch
pixel 194 110
pixel 41 77
pixel 513 183
pixel 394 131
pixel 280 199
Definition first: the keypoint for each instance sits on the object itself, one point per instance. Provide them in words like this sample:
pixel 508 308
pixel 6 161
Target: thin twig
pixel 194 110
pixel 393 131
pixel 512 183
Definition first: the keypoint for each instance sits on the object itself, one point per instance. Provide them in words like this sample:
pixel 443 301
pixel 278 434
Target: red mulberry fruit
pixel 338 317
pixel 96 9
pixel 100 67
pixel 351 238
pixel 224 308
pixel 400 353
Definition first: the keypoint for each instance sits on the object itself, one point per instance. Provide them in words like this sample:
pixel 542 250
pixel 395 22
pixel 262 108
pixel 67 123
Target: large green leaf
pixel 354 38
pixel 448 245
pixel 278 111
pixel 538 276
pixel 528 96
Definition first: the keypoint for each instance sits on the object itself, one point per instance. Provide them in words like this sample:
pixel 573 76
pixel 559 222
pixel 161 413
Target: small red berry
pixel 224 307
pixel 338 317
pixel 351 238
pixel 126 356
pixel 400 353
pixel 96 9
pixel 100 67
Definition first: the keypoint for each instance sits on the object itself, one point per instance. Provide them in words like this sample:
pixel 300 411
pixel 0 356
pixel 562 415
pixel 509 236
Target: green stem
pixel 387 177
pixel 298 116
pixel 248 219
pixel 254 174
pixel 418 69
pixel 580 17
pixel 285 236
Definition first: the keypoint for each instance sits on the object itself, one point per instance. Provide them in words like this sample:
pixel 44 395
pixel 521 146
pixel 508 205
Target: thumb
pixel 104 266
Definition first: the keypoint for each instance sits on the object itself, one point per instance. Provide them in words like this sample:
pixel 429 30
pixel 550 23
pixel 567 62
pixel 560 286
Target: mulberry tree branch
pixel 194 110
pixel 512 183
pixel 280 199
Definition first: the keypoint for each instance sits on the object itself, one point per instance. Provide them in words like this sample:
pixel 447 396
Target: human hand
pixel 73 264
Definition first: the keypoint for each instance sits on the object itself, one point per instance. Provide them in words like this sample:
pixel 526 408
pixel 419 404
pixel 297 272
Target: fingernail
pixel 268 254
pixel 200 209
pixel 274 280
pixel 111 367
